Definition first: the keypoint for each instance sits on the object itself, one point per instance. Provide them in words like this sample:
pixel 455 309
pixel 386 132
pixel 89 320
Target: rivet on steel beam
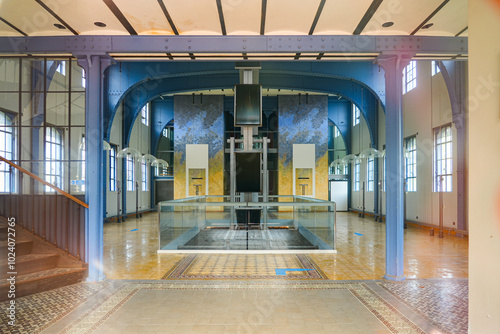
pixel 166 39
pixel 298 46
pixel 322 38
pixel 244 47
pixel 166 48
pixel 244 39
pixel 322 46
pixel 189 47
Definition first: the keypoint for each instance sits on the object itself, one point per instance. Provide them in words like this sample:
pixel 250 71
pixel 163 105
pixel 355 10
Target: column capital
pixel 394 60
pixel 89 59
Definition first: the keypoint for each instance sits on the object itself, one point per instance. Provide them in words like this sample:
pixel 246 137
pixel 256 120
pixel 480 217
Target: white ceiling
pixel 241 17
pixel 235 17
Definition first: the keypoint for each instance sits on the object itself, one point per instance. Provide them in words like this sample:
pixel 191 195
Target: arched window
pixel 6 149
pixel 53 157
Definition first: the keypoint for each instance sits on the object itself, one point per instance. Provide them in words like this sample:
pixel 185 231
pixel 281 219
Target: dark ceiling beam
pixel 297 56
pixel 320 55
pixel 169 55
pixel 428 18
pixel 57 17
pixel 221 17
pixel 367 17
pixel 191 55
pixel 462 31
pixel 316 18
pixel 119 15
pixel 169 18
pixel 263 17
pixel 13 26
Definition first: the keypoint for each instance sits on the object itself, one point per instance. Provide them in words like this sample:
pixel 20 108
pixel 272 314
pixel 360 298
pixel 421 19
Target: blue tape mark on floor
pixel 358 233
pixel 135 229
pixel 282 272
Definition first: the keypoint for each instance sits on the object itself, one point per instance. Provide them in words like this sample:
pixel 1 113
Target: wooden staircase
pixel 39 265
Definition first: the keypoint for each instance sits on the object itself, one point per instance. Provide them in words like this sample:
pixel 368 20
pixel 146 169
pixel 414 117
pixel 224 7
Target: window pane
pixel 57 109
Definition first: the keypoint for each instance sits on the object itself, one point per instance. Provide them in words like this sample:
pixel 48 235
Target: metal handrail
pixel 62 192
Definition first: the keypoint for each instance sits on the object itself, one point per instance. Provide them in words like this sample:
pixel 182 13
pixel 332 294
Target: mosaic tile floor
pixel 245 267
pixel 238 307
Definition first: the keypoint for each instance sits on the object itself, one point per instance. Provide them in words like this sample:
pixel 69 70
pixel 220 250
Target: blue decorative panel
pixel 303 120
pixel 199 120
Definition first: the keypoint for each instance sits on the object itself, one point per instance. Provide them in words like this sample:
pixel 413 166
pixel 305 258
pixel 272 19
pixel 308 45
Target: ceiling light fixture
pixel 100 24
pixel 59 26
pixel 428 25
pixel 387 24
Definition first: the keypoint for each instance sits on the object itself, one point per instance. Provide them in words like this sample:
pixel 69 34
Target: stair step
pixel 30 263
pixel 23 247
pixel 44 280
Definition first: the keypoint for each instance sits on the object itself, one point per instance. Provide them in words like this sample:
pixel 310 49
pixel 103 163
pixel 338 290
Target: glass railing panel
pixel 182 221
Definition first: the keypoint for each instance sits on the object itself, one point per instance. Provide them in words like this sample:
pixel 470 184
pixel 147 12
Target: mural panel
pixel 199 120
pixel 303 121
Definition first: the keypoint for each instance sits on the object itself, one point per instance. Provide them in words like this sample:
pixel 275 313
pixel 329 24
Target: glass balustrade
pixel 216 223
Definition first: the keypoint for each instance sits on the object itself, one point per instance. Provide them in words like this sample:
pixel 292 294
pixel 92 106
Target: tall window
pixel 112 168
pixel 356 176
pixel 145 114
pixel 144 170
pixel 410 77
pixel 435 68
pixel 411 164
pixel 6 148
pixel 82 171
pixel 84 79
pixel 356 115
pixel 53 157
pixel 443 159
pixel 130 174
pixel 336 132
pixel 371 173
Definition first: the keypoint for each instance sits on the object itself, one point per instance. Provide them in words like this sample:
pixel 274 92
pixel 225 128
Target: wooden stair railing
pixel 33 211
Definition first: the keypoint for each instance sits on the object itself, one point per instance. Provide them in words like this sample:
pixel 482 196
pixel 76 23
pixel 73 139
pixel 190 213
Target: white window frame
pixel 130 171
pixel 145 114
pixel 53 158
pixel 370 173
pixel 7 151
pixel 144 176
pixel 443 158
pixel 112 168
pixel 356 115
pixel 411 164
pixel 410 77
pixel 356 174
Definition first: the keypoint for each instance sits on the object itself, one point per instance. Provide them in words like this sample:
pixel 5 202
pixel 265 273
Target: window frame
pixel 130 173
pixel 6 181
pixel 370 173
pixel 443 158
pixel 112 167
pixel 144 176
pixel 411 164
pixel 356 115
pixel 53 169
pixel 356 175
pixel 410 77
pixel 145 114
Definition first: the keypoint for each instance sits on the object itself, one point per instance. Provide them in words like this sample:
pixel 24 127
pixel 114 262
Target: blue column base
pixel 395 278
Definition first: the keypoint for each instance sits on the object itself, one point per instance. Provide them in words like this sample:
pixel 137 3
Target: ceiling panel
pixel 81 15
pixel 344 21
pixel 242 17
pixel 30 18
pixel 194 17
pixel 406 15
pixel 6 30
pixel 288 17
pixel 449 21
pixel 148 18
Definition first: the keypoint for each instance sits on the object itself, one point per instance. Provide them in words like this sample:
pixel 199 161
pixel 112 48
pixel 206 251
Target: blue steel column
pixel 393 65
pixel 94 66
